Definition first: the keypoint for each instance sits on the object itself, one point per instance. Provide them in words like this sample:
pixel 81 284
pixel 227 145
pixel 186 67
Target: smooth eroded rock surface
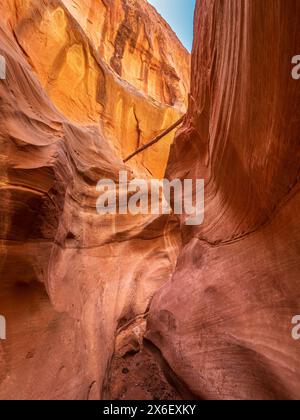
pixel 88 82
pixel 69 278
pixel 224 321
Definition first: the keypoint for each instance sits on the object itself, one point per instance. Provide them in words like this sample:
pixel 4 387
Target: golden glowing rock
pixel 68 48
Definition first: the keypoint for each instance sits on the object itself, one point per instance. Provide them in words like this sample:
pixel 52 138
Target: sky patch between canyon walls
pixel 180 16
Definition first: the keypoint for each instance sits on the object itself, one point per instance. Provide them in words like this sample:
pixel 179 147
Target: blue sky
pixel 180 16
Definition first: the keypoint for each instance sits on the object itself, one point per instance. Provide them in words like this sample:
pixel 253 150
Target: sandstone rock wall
pixel 83 91
pixel 138 45
pixel 76 73
pixel 69 279
pixel 223 323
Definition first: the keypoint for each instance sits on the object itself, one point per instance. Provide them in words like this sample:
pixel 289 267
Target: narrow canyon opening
pixel 137 370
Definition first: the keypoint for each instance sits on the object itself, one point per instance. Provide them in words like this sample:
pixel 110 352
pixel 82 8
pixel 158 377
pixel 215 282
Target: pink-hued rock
pixel 80 291
pixel 224 321
pixel 69 278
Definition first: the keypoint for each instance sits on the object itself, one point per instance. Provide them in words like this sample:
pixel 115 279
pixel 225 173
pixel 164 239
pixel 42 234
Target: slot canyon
pixel 144 307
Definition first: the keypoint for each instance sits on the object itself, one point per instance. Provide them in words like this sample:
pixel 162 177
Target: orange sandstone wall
pixel 138 45
pixel 62 48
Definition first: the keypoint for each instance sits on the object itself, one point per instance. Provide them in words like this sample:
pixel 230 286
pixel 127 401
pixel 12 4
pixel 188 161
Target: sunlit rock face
pixel 70 279
pixel 224 321
pixel 73 48
pixel 138 45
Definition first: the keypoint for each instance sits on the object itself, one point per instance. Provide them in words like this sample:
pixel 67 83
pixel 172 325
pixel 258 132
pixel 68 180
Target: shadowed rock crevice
pixel 138 370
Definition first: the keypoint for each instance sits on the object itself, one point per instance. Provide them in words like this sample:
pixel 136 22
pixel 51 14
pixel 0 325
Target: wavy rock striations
pixel 88 82
pixel 223 323
pixel 69 278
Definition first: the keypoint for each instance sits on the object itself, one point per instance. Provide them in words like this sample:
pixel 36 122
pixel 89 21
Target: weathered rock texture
pixel 223 323
pixel 87 83
pixel 138 44
pixel 69 279
pixel 85 86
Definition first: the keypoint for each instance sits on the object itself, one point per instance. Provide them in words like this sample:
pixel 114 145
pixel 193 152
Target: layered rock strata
pixel 224 321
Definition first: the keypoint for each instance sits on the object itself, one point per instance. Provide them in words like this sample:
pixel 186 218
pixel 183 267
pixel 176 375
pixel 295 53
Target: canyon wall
pixel 135 41
pixel 65 44
pixel 88 82
pixel 224 321
pixel 70 280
